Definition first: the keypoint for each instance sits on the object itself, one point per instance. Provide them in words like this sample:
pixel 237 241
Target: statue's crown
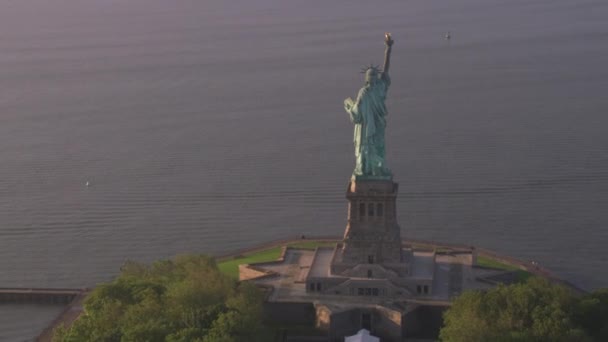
pixel 373 68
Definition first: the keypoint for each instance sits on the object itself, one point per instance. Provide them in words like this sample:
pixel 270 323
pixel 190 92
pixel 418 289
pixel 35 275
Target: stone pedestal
pixel 372 234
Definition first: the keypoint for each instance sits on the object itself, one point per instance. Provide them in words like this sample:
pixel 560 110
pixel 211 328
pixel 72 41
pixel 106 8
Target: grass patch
pixel 231 266
pixel 520 275
pixel 492 263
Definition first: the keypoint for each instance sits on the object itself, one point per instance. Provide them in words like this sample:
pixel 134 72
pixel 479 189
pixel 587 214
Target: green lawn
pixel 492 263
pixel 231 266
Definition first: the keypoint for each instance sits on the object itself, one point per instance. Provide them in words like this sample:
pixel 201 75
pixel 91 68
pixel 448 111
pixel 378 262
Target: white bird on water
pixel 88 184
pixel 448 36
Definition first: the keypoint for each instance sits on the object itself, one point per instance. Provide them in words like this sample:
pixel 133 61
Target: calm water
pixel 205 126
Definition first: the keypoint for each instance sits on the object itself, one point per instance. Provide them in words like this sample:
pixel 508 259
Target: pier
pixel 38 295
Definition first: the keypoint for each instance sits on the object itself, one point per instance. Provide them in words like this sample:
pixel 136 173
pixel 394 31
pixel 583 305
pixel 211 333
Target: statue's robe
pixel 368 113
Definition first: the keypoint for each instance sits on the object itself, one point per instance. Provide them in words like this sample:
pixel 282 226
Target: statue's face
pixel 370 76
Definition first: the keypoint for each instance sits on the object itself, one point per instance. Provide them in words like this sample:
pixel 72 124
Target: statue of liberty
pixel 368 113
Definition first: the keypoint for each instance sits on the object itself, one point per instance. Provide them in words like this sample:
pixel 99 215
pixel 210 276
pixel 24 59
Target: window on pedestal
pixel 370 259
pixel 379 210
pixel 318 286
pixel 312 286
pixel 426 289
pixel 361 210
pixel 419 289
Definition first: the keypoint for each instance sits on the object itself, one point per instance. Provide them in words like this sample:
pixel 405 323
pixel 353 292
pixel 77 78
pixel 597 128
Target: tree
pixel 592 314
pixel 533 311
pixel 185 299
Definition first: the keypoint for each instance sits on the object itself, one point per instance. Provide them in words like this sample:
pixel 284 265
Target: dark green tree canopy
pixel 533 311
pixel 185 299
pixel 592 314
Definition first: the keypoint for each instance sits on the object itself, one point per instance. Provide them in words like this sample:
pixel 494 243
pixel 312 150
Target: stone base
pixel 372 234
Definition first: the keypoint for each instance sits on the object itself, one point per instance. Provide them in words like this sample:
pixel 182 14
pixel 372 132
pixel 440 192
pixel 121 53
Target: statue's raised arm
pixel 388 41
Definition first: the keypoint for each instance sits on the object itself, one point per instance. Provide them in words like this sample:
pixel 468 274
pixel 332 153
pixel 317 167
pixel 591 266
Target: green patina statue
pixel 368 113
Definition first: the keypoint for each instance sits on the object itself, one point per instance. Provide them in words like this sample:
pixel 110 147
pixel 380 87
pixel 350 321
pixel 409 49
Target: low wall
pixel 290 313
